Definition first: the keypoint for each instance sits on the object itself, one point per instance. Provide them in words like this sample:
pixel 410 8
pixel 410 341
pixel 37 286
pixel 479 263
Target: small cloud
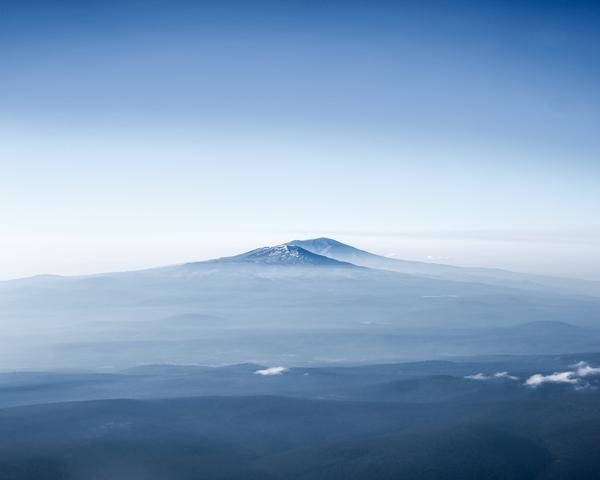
pixel 574 377
pixel 483 376
pixel 269 372
pixel 478 376
pixel 584 369
pixel 556 377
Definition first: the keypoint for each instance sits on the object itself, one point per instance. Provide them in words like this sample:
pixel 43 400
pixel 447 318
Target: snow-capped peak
pixel 284 255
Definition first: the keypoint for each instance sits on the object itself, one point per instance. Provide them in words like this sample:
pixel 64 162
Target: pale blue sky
pixel 133 137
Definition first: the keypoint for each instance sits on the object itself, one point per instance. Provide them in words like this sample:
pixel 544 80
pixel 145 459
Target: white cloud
pixel 478 376
pixel 268 372
pixel 574 377
pixel 584 369
pixel 556 377
pixel 483 376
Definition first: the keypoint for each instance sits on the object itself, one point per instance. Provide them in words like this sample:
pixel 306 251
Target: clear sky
pixel 142 133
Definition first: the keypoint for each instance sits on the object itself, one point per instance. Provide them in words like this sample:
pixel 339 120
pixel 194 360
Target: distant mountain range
pixel 304 301
pixel 492 276
pixel 327 252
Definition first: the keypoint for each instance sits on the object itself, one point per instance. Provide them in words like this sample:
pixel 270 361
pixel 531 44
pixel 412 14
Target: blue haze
pixel 141 133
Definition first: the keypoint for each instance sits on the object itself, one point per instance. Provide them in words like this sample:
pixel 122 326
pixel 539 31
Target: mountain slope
pixel 266 306
pixel 491 276
pixel 284 255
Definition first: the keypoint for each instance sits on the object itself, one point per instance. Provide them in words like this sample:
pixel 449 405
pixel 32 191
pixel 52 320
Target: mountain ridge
pixel 284 255
pixel 327 252
pixel 490 276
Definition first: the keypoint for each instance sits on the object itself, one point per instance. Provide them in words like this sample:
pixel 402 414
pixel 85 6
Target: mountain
pixel 340 251
pixel 490 276
pixel 284 255
pixel 274 305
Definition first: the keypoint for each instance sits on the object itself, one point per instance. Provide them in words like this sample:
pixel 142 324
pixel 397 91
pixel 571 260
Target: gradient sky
pixel 142 133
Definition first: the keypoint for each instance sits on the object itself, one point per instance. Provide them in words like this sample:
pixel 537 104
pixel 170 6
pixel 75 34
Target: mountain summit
pixel 285 255
pixel 331 248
